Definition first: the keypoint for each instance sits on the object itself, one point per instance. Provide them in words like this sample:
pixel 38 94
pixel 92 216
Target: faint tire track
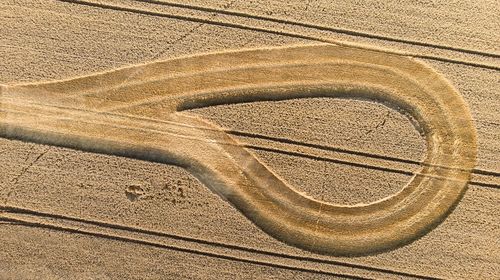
pixel 81 224
pixel 278 32
pixel 316 26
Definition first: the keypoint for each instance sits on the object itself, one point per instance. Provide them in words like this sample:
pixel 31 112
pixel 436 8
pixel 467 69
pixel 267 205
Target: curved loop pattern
pixel 137 112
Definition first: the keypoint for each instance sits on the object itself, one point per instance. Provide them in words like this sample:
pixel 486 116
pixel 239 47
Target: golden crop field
pixel 150 139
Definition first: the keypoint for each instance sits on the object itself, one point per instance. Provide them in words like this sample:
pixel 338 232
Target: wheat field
pixel 145 139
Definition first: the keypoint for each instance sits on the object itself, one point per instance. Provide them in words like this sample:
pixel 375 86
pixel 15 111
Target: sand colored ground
pixel 102 216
